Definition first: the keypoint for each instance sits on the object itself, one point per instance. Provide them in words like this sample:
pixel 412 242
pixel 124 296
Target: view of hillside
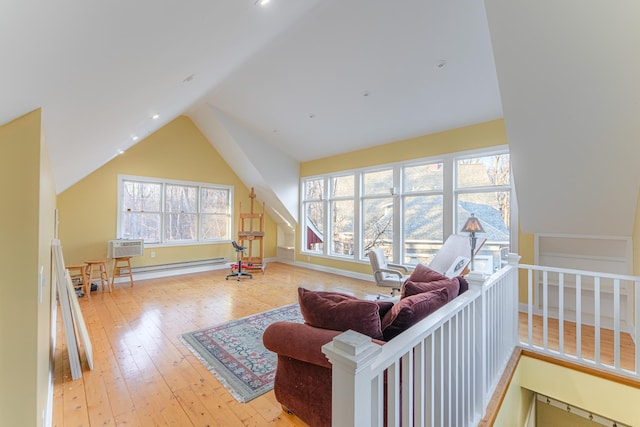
pixel 417 198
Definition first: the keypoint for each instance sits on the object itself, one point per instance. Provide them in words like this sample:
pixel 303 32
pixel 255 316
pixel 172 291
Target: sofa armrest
pixel 299 341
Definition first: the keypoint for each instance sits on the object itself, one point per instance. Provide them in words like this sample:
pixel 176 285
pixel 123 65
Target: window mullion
pixel 396 192
pixel 449 200
pixel 357 217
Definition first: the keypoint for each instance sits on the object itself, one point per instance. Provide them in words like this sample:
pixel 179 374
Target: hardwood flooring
pixel 627 347
pixel 144 376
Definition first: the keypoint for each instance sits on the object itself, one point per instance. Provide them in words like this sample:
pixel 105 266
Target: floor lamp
pixel 472 226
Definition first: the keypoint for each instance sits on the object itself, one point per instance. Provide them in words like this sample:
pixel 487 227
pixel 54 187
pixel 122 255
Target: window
pixel 483 188
pixel 408 209
pixel 173 212
pixel 341 206
pixel 423 211
pixel 378 210
pixel 313 214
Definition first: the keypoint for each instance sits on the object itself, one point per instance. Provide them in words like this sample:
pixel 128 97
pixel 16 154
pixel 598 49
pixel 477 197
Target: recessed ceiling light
pixel 135 137
pixel 262 2
pixel 120 151
pixel 441 64
pixel 155 116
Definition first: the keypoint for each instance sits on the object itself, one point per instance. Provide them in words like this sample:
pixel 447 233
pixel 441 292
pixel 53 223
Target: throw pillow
pixel 451 286
pixel 340 312
pixel 422 273
pixel 384 307
pixel 464 285
pixel 410 311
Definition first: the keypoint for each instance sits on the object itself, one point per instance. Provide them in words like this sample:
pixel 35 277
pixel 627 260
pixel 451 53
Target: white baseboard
pixel 171 272
pixel 330 270
pixel 182 270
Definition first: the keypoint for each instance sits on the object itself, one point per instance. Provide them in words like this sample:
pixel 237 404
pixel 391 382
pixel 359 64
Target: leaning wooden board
pixel 71 314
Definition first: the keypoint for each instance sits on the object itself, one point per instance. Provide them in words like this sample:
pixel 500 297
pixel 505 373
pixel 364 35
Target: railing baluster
pixel 545 310
pixel 419 377
pixel 616 323
pixel 464 369
pixel 561 313
pixel 636 324
pixel 448 385
pixel 530 306
pixel 578 316
pixel 596 303
pixel 406 387
pixel 440 344
pixel 431 390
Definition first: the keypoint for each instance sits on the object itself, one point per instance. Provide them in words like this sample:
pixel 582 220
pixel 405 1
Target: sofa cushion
pixel 340 312
pixel 422 273
pixel 424 279
pixel 451 286
pixel 410 310
pixel 384 307
pixel 464 285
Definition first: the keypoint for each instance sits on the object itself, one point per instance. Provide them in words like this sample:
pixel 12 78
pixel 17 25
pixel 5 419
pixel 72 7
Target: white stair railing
pixel 441 371
pixel 581 301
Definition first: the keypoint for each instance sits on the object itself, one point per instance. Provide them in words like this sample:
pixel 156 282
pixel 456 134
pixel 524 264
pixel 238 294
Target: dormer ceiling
pixel 313 78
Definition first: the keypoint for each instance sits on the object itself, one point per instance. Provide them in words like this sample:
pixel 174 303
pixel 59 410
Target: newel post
pixel 351 354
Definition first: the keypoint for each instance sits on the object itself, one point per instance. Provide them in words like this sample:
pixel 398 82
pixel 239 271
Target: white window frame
pixel 449 196
pixel 164 182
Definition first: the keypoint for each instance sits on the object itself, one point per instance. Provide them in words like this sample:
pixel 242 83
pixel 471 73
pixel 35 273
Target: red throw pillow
pixel 451 286
pixel 410 311
pixel 422 273
pixel 340 312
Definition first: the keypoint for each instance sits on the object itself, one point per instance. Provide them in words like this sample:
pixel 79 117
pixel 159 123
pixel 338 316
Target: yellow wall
pixel 88 209
pixel 607 398
pixel 515 406
pixel 466 138
pixel 472 137
pixel 27 218
pixel 549 415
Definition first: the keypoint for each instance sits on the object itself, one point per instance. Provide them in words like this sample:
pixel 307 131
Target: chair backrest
pixel 377 259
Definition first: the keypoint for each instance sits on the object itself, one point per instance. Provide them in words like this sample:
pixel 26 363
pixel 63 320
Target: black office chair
pixel 239 252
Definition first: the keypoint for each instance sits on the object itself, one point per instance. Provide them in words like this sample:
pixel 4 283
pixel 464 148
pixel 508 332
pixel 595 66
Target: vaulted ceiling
pixel 305 79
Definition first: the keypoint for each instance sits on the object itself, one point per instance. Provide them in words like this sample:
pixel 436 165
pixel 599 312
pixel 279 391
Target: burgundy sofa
pixel 303 377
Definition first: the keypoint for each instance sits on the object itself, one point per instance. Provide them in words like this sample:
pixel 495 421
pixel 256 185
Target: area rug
pixel 234 353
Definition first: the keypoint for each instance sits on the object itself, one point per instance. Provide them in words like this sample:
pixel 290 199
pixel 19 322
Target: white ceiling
pixel 312 78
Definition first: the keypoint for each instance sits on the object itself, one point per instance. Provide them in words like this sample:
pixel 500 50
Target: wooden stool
pixel 79 270
pixel 120 264
pixel 101 266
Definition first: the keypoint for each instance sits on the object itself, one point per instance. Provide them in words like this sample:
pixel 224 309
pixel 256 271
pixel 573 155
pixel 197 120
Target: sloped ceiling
pixel 312 78
pixel 569 75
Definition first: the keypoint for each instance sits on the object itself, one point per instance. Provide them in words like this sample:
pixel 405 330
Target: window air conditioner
pixel 125 248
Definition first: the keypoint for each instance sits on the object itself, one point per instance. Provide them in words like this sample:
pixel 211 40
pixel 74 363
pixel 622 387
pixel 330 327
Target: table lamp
pixel 472 226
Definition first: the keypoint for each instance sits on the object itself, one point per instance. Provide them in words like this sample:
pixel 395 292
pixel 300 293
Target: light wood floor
pixel 627 347
pixel 144 376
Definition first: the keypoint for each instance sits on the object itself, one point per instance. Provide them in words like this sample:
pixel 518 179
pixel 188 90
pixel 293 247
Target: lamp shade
pixel 472 225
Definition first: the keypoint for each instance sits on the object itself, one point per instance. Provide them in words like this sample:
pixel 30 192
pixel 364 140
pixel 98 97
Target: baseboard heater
pixel 212 262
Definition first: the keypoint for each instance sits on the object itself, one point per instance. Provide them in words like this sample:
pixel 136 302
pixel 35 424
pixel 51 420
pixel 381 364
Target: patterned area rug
pixel 234 353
